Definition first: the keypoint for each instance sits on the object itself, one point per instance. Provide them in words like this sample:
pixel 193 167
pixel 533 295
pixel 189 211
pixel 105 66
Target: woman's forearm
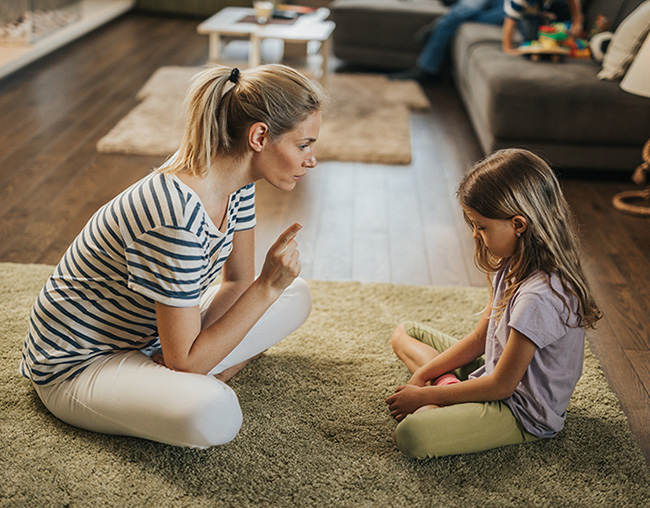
pixel 229 292
pixel 216 341
pixel 189 348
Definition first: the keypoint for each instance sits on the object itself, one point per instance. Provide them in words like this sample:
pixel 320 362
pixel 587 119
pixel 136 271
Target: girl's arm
pixel 463 352
pixel 576 17
pixel 190 347
pixel 507 35
pixel 499 385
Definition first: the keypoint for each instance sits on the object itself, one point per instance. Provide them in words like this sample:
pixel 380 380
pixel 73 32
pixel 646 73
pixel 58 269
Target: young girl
pixel 531 333
pixel 136 281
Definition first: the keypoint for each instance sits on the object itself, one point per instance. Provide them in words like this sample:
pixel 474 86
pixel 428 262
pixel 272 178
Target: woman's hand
pixel 282 264
pixel 406 400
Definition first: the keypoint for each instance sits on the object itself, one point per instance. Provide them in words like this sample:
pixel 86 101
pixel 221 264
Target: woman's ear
pixel 257 136
pixel 520 223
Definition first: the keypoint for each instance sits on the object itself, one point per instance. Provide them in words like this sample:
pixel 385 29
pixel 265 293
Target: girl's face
pixel 498 235
pixel 284 161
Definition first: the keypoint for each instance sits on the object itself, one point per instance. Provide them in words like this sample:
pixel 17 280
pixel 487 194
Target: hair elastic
pixel 234 75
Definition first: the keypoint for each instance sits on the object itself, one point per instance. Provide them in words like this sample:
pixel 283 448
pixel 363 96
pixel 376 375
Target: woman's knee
pixel 301 289
pixel 300 300
pixel 208 417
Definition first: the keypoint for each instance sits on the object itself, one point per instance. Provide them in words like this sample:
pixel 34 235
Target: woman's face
pixel 284 161
pixel 499 236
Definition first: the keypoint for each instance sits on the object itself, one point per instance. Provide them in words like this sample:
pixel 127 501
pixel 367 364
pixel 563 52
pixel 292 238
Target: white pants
pixel 128 394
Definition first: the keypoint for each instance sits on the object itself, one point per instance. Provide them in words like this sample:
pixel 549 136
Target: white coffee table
pixel 306 28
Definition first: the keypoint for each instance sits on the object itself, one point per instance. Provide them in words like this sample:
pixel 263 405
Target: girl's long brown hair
pixel 517 182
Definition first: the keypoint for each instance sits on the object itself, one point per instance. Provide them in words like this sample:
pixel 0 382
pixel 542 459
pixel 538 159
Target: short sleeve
pixel 165 264
pixel 513 9
pixel 246 208
pixel 538 317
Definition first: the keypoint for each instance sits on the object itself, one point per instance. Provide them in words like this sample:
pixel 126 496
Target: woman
pixel 135 283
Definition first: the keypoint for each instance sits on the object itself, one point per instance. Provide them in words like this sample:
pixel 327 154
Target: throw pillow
pixel 626 42
pixel 598 45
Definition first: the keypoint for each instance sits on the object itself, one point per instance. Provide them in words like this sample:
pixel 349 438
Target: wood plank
pixel 124 172
pixel 334 245
pixel 408 245
pixel 77 84
pixel 615 267
pixel 623 370
pixel 371 249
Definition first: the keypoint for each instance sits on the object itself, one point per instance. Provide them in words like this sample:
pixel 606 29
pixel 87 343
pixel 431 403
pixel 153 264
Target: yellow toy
pixel 555 42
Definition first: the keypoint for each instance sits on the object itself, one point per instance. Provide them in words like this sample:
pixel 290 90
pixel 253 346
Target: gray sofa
pixel 380 33
pixel 560 110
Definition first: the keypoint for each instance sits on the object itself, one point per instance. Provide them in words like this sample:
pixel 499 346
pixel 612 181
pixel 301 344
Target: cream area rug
pixel 316 430
pixel 368 120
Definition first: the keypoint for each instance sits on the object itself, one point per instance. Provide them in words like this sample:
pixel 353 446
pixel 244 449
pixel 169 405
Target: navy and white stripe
pixel 153 242
pixel 515 9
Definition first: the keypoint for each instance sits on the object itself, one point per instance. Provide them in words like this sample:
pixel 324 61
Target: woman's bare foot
pixel 229 373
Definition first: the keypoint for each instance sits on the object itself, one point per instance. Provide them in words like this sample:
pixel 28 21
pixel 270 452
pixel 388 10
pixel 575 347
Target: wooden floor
pixel 396 224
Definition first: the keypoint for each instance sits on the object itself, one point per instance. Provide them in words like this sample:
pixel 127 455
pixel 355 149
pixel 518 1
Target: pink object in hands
pixel 446 379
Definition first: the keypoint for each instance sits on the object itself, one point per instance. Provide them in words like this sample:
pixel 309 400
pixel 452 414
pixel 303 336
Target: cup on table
pixel 263 11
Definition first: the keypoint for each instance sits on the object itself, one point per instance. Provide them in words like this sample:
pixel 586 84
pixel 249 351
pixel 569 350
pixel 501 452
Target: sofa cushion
pixel 626 42
pixel 381 32
pixel 548 102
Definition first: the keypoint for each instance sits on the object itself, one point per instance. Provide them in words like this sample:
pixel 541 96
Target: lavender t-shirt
pixel 541 398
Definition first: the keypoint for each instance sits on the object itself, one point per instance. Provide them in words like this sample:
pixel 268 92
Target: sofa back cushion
pixel 627 40
pixel 614 10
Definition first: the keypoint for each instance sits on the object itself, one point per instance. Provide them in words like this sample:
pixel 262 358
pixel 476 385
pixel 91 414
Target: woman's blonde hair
pixel 223 103
pixel 517 182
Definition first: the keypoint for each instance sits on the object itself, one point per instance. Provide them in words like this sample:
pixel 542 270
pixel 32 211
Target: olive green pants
pixel 461 428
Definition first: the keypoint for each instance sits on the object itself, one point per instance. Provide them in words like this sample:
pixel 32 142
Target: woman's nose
pixel 311 162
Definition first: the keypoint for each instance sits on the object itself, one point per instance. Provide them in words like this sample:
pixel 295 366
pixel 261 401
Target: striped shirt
pixel 515 9
pixel 152 243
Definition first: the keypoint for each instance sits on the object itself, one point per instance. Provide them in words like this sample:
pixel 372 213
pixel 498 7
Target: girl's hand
pixel 406 400
pixel 282 264
pixel 417 380
pixel 576 28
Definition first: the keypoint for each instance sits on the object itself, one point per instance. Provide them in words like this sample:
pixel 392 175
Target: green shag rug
pixel 316 430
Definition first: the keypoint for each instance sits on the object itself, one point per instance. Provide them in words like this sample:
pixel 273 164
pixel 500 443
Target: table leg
pixel 214 51
pixel 255 54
